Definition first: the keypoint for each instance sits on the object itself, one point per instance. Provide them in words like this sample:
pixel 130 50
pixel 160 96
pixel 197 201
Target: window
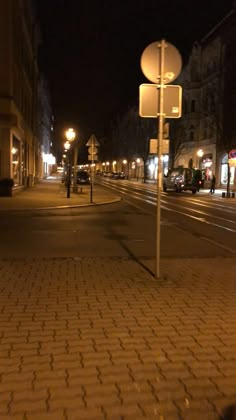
pixel 191 134
pixel 193 106
pixel 224 171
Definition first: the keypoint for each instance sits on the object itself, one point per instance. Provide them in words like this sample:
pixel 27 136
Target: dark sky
pixel 91 51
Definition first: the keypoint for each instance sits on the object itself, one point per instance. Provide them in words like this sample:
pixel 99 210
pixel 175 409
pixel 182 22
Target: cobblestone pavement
pixel 100 338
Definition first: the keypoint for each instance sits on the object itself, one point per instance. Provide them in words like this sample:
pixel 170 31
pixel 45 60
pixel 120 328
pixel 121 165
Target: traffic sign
pixel 92 141
pixel 92 157
pixel 232 154
pixel 149 101
pixel 92 150
pixel 153 145
pixel 151 62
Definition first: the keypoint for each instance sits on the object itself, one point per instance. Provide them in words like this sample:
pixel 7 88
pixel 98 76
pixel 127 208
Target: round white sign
pixel 151 62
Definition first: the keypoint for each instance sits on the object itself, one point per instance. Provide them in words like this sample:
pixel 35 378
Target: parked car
pixel 118 175
pixel 107 174
pixel 83 177
pixel 180 179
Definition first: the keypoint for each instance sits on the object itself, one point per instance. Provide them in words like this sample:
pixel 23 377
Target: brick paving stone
pixel 205 354
pixel 53 415
pixel 15 386
pixel 4 407
pixel 209 372
pixel 170 385
pixel 141 375
pixel 170 395
pixel 203 392
pixel 50 382
pixel 190 404
pixel 34 366
pixel 50 375
pixel 85 414
pixel 10 365
pixel 127 411
pixel 83 325
pixel 182 355
pixel 199 414
pixel 27 406
pixel 133 387
pixel 143 398
pixel 68 364
pixel 96 400
pixel 16 377
pixel 63 402
pixel 199 382
pixel 162 410
pixel 79 381
pixel 227 352
pixel 83 372
pixel 32 395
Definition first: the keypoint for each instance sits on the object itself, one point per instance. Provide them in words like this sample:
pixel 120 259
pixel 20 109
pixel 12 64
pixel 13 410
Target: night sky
pixel 90 52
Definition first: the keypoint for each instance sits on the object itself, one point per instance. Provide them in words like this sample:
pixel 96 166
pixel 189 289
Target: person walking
pixel 213 184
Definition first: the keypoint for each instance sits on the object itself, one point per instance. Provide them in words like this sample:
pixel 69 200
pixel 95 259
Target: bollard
pixel 223 194
pixel 233 195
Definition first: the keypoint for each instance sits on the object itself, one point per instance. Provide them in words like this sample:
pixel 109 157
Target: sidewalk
pixel 51 192
pixel 100 338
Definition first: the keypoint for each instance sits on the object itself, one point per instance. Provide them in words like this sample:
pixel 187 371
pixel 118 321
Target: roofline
pixel 217 26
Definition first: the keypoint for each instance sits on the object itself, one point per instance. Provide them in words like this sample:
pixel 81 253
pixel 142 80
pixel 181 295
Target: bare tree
pixel 177 140
pixel 131 136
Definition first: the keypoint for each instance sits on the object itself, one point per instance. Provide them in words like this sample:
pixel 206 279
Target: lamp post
pixel 70 136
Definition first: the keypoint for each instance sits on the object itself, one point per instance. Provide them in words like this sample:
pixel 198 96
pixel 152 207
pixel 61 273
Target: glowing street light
pixel 70 134
pixel 14 150
pixel 200 152
pixel 67 146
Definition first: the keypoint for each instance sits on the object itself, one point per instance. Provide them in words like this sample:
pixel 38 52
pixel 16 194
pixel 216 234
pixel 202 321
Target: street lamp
pixel 199 154
pixel 124 162
pixel 70 136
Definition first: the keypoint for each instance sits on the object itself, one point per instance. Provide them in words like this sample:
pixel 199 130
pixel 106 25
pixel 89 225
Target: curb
pixel 115 200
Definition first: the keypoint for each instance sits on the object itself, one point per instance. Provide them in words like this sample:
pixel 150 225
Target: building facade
pixel 20 145
pixel 206 133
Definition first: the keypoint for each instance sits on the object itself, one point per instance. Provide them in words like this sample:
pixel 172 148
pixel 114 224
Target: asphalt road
pixel 210 218
pixel 191 226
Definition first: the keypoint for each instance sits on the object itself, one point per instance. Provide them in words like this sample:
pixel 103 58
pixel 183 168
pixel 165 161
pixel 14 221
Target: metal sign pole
pixel 161 62
pixel 91 188
pixel 159 178
pixel 69 173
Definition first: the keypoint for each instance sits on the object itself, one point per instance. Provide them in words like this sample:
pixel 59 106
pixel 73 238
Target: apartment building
pixel 20 146
pixel 208 125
